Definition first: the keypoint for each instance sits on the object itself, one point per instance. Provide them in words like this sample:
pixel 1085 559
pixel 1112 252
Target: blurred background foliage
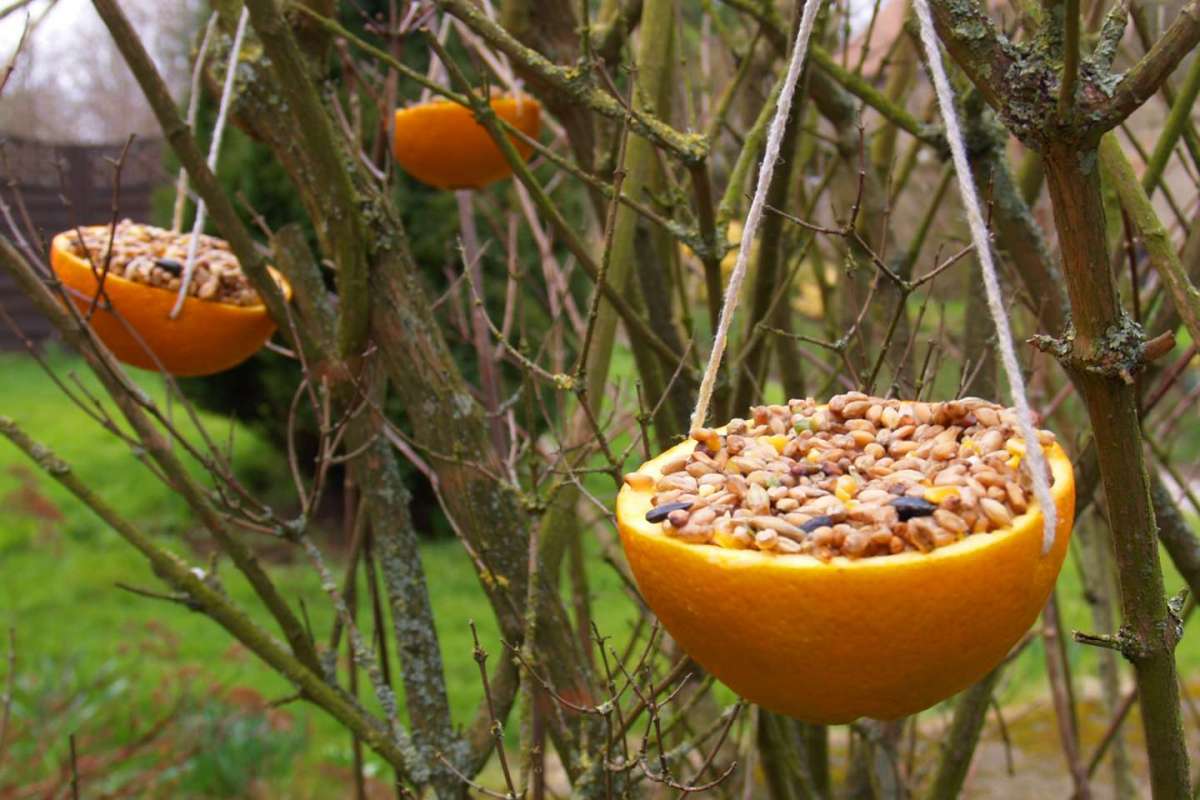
pixel 259 392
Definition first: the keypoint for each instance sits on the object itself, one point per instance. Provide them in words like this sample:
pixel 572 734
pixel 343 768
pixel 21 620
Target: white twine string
pixel 214 148
pixel 181 183
pixel 1034 458
pixel 770 157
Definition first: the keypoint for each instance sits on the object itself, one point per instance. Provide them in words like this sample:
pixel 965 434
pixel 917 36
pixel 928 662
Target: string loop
pixel 1034 459
pixel 759 201
pixel 214 150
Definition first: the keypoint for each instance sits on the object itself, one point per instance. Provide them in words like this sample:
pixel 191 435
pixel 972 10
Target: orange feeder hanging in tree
pixel 829 641
pixel 206 337
pixel 441 144
pixel 831 586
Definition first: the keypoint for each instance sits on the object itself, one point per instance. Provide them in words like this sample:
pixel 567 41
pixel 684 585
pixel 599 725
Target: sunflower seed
pixel 863 477
pixel 659 513
pixel 909 507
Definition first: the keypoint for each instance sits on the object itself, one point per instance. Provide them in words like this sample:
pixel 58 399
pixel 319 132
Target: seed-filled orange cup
pixel 440 143
pixel 829 641
pixel 207 337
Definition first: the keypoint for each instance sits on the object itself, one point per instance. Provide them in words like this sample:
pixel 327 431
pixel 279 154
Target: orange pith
pixel 206 338
pixel 878 637
pixel 441 144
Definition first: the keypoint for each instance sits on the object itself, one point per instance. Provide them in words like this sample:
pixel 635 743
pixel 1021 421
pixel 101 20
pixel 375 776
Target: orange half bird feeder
pixel 219 326
pixel 441 144
pixel 865 558
pixel 831 639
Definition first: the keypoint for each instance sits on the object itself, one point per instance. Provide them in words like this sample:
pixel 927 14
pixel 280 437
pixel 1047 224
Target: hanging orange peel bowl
pixel 441 144
pixel 207 336
pixel 879 637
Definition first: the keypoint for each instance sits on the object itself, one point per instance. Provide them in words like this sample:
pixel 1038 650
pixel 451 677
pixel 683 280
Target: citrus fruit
pixel 879 637
pixel 440 143
pixel 207 336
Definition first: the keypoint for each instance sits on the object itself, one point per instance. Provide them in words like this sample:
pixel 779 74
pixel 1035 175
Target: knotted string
pixel 214 149
pixel 181 183
pixel 770 157
pixel 1034 458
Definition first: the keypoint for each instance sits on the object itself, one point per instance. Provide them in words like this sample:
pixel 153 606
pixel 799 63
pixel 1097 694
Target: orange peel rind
pixel 207 337
pixel 879 637
pixel 440 143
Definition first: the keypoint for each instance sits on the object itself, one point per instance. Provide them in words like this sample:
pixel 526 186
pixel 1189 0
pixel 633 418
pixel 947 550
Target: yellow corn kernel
pixel 708 437
pixel 846 487
pixel 814 456
pixel 939 494
pixel 732 538
pixel 970 444
pixel 1017 448
pixel 778 441
pixel 639 481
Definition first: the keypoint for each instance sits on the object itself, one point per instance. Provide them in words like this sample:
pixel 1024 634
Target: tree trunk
pixel 1104 344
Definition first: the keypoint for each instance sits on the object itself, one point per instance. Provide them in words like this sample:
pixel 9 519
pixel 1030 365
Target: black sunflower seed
pixel 909 507
pixel 817 522
pixel 170 265
pixel 659 513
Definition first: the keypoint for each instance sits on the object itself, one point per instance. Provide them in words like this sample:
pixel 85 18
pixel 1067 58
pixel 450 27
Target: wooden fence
pixel 62 186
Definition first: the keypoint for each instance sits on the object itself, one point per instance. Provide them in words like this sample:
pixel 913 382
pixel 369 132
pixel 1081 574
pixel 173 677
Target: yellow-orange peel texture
pixel 440 143
pixel 879 637
pixel 207 336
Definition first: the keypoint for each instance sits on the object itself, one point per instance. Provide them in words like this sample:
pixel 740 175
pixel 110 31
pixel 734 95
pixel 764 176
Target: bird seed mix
pixel 156 257
pixel 860 477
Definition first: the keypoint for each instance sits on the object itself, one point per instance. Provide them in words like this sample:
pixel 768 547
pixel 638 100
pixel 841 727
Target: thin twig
pixel 10 681
pixel 74 765
pixel 1070 70
pixel 480 656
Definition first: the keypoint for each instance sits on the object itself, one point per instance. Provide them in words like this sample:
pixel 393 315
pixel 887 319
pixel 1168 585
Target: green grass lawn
pixel 107 665
pixel 108 655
